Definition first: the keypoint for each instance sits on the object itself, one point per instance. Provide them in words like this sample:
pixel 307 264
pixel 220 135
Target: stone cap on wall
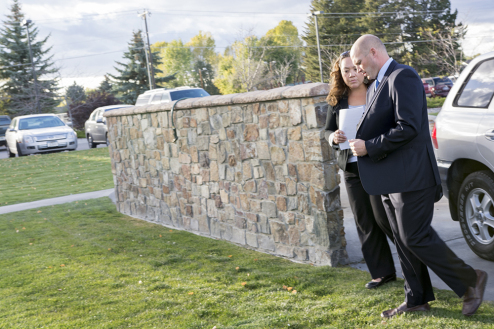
pixel 299 91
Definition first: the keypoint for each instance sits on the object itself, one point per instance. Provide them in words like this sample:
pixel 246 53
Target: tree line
pixel 423 34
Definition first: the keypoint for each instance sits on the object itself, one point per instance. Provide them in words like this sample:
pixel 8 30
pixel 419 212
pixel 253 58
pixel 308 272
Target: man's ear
pixel 373 52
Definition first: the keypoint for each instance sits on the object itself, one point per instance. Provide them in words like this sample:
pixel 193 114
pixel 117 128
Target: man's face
pixel 365 62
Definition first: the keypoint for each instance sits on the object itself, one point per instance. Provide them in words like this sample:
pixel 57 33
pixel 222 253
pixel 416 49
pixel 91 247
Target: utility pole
pixel 315 14
pixel 152 84
pixel 26 23
pixel 200 77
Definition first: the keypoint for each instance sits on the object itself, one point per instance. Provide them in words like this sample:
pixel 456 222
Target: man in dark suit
pixel 396 160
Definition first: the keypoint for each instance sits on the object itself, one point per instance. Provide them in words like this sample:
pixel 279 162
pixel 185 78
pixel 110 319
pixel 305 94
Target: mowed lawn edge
pixel 44 176
pixel 85 265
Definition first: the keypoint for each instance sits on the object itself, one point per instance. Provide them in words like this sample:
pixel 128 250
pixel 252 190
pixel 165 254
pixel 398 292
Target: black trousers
pixel 372 224
pixel 419 246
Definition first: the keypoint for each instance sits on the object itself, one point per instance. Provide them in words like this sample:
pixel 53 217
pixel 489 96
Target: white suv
pixel 463 137
pixel 163 95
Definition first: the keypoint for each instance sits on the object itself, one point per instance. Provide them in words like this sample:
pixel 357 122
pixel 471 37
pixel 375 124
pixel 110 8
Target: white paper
pixel 349 119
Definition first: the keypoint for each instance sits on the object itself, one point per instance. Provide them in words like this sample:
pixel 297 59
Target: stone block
pixel 248 151
pixel 295 152
pixel 279 232
pixel 216 121
pixel 274 120
pixel 286 251
pixel 251 133
pixel 304 172
pixel 214 172
pixel 269 209
pixel 238 236
pixel 316 115
pixel 247 170
pixel 277 155
pixel 251 240
pixel 295 110
pixel 250 186
pixel 263 150
pixel 281 136
pixel 281 203
pixel 295 134
pixel 268 171
pixel 266 242
pixel 224 196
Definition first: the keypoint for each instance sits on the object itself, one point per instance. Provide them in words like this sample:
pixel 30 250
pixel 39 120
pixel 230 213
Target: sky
pixel 87 37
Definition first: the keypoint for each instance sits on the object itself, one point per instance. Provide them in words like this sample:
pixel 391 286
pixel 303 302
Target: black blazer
pixel 331 126
pixel 395 128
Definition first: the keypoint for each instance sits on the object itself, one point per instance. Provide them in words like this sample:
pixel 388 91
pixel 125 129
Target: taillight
pixel 434 137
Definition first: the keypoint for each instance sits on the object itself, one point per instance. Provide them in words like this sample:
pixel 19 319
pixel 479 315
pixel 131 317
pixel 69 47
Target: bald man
pixel 396 161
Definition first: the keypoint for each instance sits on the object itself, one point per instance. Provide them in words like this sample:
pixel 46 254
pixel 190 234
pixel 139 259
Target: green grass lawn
pixel 84 265
pixel 434 102
pixel 44 176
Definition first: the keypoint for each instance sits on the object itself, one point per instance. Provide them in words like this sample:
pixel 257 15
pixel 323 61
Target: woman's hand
pixel 339 137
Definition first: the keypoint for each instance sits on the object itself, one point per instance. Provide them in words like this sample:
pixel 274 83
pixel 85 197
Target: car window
pixel 12 125
pixel 99 114
pixel 188 93
pixel 143 99
pixel 165 98
pixel 445 80
pixel 479 89
pixel 4 121
pixel 40 122
pixel 156 98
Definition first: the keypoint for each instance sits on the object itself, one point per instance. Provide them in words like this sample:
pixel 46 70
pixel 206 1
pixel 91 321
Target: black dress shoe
pixel 403 308
pixel 385 279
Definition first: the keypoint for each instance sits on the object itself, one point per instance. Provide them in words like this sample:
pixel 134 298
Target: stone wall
pixel 251 168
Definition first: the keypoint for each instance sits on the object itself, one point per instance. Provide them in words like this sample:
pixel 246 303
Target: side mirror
pixel 12 130
pixel 99 120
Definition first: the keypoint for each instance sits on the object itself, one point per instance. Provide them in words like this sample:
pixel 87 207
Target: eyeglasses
pixel 345 54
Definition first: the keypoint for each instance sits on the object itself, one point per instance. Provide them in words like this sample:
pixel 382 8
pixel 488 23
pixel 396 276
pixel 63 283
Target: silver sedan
pixel 40 133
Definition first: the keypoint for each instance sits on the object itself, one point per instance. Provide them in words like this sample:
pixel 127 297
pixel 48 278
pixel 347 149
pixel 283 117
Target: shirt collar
pixel 383 70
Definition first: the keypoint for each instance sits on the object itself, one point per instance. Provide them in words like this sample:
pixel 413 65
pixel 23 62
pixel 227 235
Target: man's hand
pixel 358 147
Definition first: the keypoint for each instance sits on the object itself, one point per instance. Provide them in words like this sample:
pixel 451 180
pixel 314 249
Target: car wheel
pixel 90 142
pixel 476 212
pixel 11 155
pixel 19 152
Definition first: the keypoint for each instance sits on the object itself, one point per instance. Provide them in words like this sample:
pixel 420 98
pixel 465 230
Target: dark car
pixel 4 125
pixel 439 86
pixel 427 89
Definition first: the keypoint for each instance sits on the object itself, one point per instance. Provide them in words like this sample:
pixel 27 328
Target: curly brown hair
pixel 338 86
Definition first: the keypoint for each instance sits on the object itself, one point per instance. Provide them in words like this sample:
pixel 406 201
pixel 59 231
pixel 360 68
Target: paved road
pixel 81 145
pixel 447 229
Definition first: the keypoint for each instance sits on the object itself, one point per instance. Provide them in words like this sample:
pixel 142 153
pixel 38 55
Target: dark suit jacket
pixel 331 126
pixel 395 128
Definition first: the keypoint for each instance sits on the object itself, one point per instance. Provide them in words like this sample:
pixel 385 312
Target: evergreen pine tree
pixel 132 79
pixel 23 95
pixel 333 30
pixel 75 93
pixel 106 85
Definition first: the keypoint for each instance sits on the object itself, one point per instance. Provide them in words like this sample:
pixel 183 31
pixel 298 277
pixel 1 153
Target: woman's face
pixel 351 75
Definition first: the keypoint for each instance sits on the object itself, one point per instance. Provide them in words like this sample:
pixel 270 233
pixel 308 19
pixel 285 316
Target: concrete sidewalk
pixel 60 200
pixel 447 229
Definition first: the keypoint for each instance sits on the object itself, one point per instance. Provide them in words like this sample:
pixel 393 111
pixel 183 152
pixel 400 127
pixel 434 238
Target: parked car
pixel 463 137
pixel 4 125
pixel 39 133
pixel 439 86
pixel 427 89
pixel 95 128
pixel 163 95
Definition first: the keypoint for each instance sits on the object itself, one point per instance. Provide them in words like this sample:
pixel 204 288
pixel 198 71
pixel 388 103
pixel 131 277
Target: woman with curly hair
pixel 348 90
